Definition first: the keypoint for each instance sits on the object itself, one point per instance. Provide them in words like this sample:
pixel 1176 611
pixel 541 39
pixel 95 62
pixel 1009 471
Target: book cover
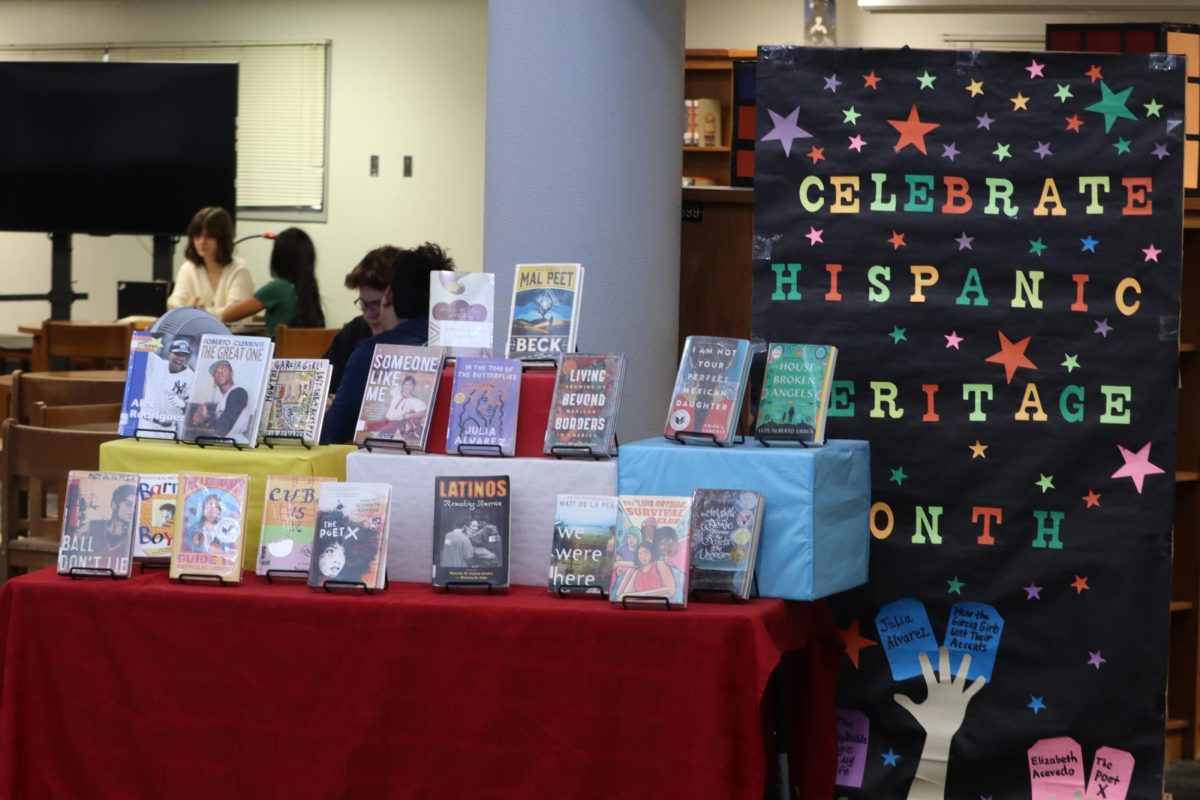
pixel 350 543
pixel 401 389
pixel 289 519
pixel 227 396
pixel 156 515
pixel 725 527
pixel 483 405
pixel 294 404
pixel 158 382
pixel 653 548
pixel 461 312
pixel 585 529
pixel 545 310
pixel 210 525
pixel 709 388
pixel 795 391
pixel 587 394
pixel 98 518
pixel 470 530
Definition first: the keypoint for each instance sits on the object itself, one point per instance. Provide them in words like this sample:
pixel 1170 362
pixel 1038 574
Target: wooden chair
pixel 76 417
pixel 88 345
pixel 302 342
pixel 35 463
pixel 29 388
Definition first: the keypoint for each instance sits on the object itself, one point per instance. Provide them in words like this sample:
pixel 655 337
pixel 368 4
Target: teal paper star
pixel 1001 151
pixel 1071 363
pixel 1063 93
pixel 1152 108
pixel 1112 106
pixel 851 116
pixel 926 80
pixel 898 334
pixel 956 586
pixel 1122 146
pixel 1045 481
pixel 898 476
pixel 1036 246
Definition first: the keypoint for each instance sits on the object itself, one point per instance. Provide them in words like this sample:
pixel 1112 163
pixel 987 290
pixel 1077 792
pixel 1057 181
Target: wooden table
pixel 107 375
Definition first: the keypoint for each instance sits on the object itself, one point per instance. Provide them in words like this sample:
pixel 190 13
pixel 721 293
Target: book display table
pixel 815 534
pixel 130 455
pixel 536 483
pixel 143 688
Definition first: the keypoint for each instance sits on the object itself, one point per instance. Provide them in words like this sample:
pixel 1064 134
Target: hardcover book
pixel 98 518
pixel 470 530
pixel 156 516
pixel 401 389
pixel 653 548
pixel 483 405
pixel 581 555
pixel 227 396
pixel 210 526
pixel 795 391
pixel 545 310
pixel 158 382
pixel 350 543
pixel 725 527
pixel 289 519
pixel 709 388
pixel 294 404
pixel 587 394
pixel 461 312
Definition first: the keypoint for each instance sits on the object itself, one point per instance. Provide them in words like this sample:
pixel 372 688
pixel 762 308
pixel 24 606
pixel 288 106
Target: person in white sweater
pixel 212 278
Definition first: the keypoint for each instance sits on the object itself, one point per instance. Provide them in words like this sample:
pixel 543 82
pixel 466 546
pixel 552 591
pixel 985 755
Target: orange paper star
pixel 1012 356
pixel 871 80
pixel 1074 123
pixel 855 642
pixel 1080 585
pixel 1091 498
pixel 912 130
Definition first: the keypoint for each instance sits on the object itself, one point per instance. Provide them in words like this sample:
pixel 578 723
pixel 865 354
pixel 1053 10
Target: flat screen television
pixel 104 148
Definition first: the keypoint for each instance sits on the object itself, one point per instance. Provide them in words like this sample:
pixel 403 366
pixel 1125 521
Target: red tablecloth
pixel 143 688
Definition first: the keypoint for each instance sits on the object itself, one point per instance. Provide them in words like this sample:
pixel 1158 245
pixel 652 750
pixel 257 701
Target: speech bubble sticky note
pixel 974 629
pixel 905 632
pixel 1112 770
pixel 1056 769
pixel 853 730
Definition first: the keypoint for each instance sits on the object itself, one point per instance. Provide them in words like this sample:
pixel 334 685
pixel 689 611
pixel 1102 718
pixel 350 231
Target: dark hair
pixel 650 548
pixel 410 279
pixel 664 533
pixel 294 259
pixel 215 222
pixel 167 507
pixel 375 269
pixel 121 492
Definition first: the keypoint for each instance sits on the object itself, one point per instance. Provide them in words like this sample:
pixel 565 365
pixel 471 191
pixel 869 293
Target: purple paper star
pixel 786 130
pixel 1043 149
pixel 964 241
pixel 949 151
pixel 1096 659
pixel 832 83
pixel 857 143
pixel 1035 69
pixel 814 235
pixel 1032 591
pixel 985 122
pixel 1152 253
pixel 1102 327
pixel 1160 151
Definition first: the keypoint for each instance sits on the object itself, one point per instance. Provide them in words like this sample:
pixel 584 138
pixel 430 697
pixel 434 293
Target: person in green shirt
pixel 292 296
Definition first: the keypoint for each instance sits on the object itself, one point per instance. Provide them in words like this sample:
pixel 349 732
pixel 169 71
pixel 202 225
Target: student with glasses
pixel 370 277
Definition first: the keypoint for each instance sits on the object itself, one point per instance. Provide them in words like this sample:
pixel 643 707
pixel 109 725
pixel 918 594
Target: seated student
pixel 212 277
pixel 292 297
pixel 371 278
pixel 405 309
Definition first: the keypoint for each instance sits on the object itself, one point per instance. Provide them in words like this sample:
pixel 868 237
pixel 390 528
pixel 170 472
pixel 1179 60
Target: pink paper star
pixel 814 235
pixel 786 130
pixel 1035 69
pixel 1151 253
pixel 1137 466
pixel 952 339
pixel 857 143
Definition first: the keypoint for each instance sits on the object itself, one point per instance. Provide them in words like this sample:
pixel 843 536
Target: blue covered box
pixel 815 536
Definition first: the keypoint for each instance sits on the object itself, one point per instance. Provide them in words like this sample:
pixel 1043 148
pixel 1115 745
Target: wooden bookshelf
pixel 709 73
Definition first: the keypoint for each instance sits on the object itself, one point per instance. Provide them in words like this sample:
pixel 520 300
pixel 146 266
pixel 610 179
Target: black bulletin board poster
pixel 992 241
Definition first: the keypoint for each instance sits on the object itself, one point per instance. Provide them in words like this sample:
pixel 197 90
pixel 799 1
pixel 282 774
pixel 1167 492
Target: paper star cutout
pixel 1071 363
pixel 1074 123
pixel 1103 328
pixel 1095 659
pixel 814 236
pixel 1043 149
pixel 1035 69
pixel 816 154
pixel 871 80
pixel 978 450
pixel 850 116
pixel 1111 105
pixel 897 240
pixel 1045 481
pixel 955 585
pixel 1036 704
pixel 832 83
pixel 974 87
pixel 1160 151
pixel 1092 499
pixel 898 335
pixel 1137 466
pixel 912 130
pixel 1012 356
pixel 1032 591
pixel 1036 246
pixel 964 241
pixel 1001 152
pixel 1089 244
pixel 926 80
pixel 1094 73
pixel 854 642
pixel 1172 124
pixel 1080 585
pixel 1151 252
pixel 898 476
pixel 1122 146
pixel 985 122
pixel 785 130
pixel 1152 108
pixel 953 340
pixel 1020 102
pixel 1064 93
pixel 949 151
pixel 857 143
pixel 890 758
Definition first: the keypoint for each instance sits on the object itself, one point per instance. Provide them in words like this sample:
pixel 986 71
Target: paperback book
pixel 289 520
pixel 227 395
pixel 461 312
pixel 483 406
pixel 470 530
pixel 98 519
pixel 294 405
pixel 581 555
pixel 545 310
pixel 210 531
pixel 402 386
pixel 156 516
pixel 587 394
pixel 725 527
pixel 795 391
pixel 158 382
pixel 653 548
pixel 350 543
pixel 709 388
